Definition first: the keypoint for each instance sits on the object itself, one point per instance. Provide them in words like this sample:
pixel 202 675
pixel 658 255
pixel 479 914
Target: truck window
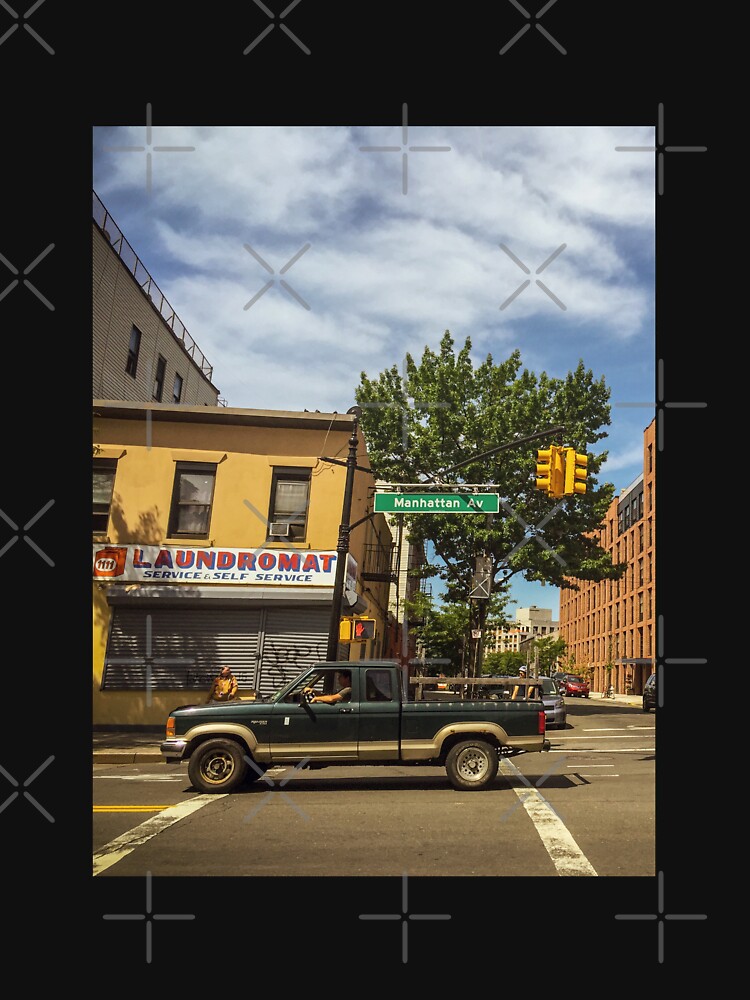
pixel 378 685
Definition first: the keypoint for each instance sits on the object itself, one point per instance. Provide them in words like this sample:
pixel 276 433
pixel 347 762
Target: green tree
pixel 550 650
pixel 444 629
pixel 445 411
pixel 506 664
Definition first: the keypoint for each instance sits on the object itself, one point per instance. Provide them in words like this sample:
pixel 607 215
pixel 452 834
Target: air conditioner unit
pixel 280 528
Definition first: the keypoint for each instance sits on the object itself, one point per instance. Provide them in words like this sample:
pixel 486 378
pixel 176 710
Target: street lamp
pixel 342 548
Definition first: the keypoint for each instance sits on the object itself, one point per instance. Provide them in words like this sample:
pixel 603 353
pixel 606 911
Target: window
pixel 103 485
pixel 131 365
pixel 161 367
pixel 290 490
pixel 177 388
pixel 192 497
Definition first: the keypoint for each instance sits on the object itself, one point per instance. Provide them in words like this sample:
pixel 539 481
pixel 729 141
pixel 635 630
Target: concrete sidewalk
pixel 129 746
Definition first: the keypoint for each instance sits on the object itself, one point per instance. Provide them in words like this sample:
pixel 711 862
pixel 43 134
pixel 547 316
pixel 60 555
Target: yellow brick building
pixel 215 535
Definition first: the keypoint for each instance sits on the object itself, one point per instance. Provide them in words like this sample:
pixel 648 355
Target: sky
pixel 297 257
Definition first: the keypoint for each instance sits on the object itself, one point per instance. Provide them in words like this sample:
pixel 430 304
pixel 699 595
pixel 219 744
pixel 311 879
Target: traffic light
pixel 550 470
pixel 364 629
pixel 543 469
pixel 576 469
pixel 345 630
pixel 557 472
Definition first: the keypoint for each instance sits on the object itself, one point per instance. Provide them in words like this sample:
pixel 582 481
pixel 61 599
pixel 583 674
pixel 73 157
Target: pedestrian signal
pixel 345 630
pixel 364 629
pixel 576 470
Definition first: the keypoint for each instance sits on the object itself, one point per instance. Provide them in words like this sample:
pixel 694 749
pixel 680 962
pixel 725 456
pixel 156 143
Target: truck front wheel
pixel 217 766
pixel 471 765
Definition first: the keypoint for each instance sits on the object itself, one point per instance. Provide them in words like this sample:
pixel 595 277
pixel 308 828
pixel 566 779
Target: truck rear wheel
pixel 217 766
pixel 471 765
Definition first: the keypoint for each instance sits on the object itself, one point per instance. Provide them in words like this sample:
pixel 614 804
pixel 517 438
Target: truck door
pixel 379 714
pixel 299 730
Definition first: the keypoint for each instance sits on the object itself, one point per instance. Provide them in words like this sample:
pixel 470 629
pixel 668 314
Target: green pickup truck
pixel 372 721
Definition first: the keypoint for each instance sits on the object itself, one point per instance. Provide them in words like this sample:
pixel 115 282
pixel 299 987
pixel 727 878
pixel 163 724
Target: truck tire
pixel 471 765
pixel 217 766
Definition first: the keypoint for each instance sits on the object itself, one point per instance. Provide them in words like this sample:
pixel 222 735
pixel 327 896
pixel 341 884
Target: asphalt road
pixel 585 808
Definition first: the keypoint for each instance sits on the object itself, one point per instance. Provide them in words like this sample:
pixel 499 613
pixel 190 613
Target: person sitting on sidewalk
pixel 224 686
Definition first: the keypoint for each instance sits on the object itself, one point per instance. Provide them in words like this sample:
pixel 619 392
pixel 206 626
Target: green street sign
pixel 437 503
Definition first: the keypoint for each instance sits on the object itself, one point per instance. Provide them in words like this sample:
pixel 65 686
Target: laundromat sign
pixel 175 564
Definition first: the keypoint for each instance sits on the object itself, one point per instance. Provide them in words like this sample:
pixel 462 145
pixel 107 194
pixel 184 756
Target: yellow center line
pixel 128 809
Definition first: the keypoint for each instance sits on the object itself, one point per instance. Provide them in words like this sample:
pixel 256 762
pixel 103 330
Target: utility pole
pixel 342 548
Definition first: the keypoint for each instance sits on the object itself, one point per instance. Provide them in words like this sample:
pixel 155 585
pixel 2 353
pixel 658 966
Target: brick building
pixel 613 621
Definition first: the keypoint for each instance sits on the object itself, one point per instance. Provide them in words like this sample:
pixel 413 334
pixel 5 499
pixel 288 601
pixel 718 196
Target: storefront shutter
pixel 180 648
pixel 293 639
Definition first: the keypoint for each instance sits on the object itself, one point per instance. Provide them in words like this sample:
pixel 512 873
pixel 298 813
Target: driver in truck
pixel 344 692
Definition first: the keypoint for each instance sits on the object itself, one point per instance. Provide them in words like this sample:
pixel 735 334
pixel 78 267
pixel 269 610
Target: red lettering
pixel 138 559
pixel 310 564
pixel 246 560
pixel 184 558
pixel 266 560
pixel 205 559
pixel 327 558
pixel 225 560
pixel 289 560
pixel 163 559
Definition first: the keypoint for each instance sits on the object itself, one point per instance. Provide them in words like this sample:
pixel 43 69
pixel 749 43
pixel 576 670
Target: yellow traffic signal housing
pixel 345 630
pixel 557 472
pixel 543 469
pixel 364 629
pixel 576 470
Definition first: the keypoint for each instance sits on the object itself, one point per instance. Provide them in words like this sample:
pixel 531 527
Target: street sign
pixel 476 633
pixel 437 503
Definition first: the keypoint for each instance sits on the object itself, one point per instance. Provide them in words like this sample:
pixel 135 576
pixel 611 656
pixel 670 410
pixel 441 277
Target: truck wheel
pixel 471 765
pixel 217 766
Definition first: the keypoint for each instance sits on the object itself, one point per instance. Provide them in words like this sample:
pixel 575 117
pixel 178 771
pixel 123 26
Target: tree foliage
pixel 444 411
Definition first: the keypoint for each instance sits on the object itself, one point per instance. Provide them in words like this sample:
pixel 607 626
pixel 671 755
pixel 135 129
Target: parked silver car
pixel 554 704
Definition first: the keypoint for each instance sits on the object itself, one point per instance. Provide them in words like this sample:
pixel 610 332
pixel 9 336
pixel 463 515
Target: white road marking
pixel 120 847
pixel 612 750
pixel 140 777
pixel 622 736
pixel 564 852
pixel 593 765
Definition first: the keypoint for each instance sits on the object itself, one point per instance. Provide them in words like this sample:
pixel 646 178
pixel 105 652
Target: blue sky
pixel 382 250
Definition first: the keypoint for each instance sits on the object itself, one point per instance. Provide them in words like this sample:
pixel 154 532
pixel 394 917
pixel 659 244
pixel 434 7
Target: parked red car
pixel 574 686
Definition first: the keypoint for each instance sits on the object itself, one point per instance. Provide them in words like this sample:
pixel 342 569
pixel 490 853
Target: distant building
pixel 141 349
pixel 531 623
pixel 613 622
